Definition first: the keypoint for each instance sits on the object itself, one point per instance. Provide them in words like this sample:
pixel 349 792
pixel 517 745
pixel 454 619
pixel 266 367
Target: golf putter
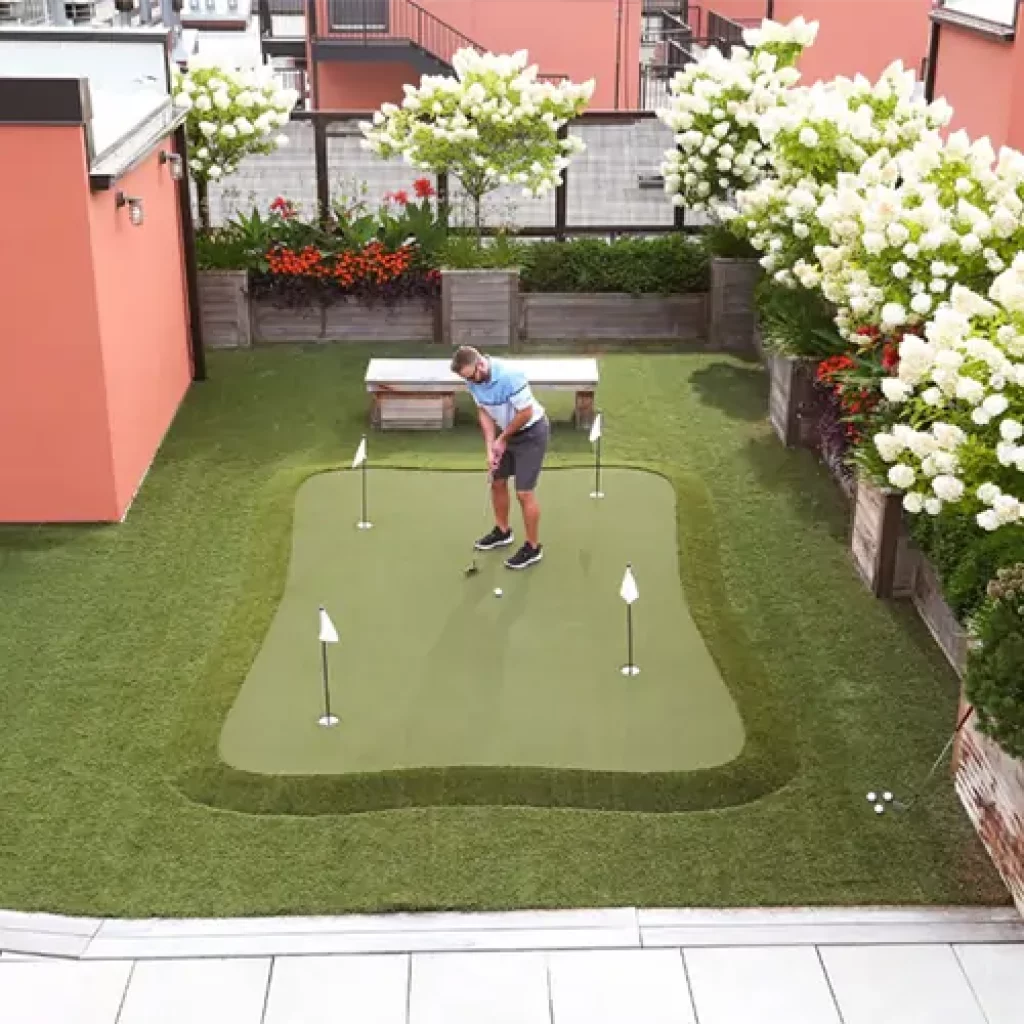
pixel 472 569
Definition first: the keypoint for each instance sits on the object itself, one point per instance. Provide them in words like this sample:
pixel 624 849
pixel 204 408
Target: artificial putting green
pixel 433 670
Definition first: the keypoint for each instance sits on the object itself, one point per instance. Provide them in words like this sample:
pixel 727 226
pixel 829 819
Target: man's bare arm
pixel 488 426
pixel 518 422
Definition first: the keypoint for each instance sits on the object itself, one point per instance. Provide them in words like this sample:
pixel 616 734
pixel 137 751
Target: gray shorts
pixel 524 455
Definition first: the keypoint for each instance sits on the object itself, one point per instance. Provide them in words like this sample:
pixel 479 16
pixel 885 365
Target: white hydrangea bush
pixel 232 113
pixel 956 408
pixel 716 108
pixel 492 124
pixel 823 132
pixel 906 228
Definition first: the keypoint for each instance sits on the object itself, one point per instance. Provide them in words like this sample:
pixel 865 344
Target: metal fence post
pixel 323 188
pixel 562 194
pixel 442 198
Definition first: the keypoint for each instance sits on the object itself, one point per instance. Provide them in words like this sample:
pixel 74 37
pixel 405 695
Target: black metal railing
pixel 728 32
pixel 377 21
pixel 655 78
pixel 282 19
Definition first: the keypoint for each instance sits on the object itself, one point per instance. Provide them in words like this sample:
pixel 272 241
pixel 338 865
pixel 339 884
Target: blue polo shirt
pixel 505 393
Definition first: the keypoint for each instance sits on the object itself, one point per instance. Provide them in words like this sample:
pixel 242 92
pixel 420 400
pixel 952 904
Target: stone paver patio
pixel 623 966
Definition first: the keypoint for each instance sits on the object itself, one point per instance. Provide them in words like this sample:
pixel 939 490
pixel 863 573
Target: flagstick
pixel 327 719
pixel 364 523
pixel 629 669
pixel 597 492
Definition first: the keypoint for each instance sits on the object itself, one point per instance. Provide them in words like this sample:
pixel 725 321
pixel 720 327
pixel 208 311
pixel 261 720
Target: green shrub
pixel 665 265
pixel 995 668
pixel 461 252
pixel 725 244
pixel 966 557
pixel 796 321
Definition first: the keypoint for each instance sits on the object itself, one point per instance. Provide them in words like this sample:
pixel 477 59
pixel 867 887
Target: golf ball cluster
pixel 880 807
pixel 497 591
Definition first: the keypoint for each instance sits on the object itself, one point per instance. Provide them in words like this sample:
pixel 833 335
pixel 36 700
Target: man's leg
pixel 529 459
pixel 531 516
pixel 501 535
pixel 500 501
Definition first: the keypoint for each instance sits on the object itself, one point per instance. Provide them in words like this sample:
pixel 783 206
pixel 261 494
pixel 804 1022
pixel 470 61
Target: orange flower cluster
pixel 373 264
pixel 305 262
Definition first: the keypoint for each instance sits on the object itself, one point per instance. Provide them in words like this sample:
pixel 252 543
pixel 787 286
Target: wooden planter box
pixel 480 308
pixel 344 321
pixel 731 310
pixel 990 785
pixel 224 308
pixel 573 316
pixel 938 616
pixel 880 544
pixel 792 389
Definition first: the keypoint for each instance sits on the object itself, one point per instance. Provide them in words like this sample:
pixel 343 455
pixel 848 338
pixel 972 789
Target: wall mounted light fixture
pixel 174 159
pixel 134 205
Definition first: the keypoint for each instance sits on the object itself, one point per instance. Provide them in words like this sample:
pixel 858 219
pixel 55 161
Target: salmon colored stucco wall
pixel 56 463
pixel 863 36
pixel 362 85
pixel 563 37
pixel 982 105
pixel 143 316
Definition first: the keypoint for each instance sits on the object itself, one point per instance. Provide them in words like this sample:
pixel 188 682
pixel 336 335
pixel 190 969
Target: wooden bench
pixel 419 394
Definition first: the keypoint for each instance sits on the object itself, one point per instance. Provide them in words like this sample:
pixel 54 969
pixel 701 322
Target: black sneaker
pixel 525 556
pixel 495 539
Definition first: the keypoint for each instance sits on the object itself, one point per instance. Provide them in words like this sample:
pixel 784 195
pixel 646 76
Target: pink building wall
pixel 56 461
pixel 143 317
pixel 989 105
pixel 362 85
pixel 862 36
pixel 577 38
pixel 94 355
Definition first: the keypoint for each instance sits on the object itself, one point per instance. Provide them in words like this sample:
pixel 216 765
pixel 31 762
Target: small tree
pixel 233 113
pixel 493 124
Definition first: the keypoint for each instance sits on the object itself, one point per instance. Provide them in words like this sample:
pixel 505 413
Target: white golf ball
pixel 887 796
pixel 497 591
pixel 879 809
pixel 872 798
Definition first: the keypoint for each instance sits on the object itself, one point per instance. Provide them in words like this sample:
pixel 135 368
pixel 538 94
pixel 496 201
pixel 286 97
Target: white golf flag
pixel 628 591
pixel 360 454
pixel 328 634
pixel 595 430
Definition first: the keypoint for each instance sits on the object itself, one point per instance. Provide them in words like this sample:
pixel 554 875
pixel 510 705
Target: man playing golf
pixel 516 430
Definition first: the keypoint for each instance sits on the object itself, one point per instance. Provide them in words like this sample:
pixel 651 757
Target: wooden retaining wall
pixel 480 308
pixel 731 311
pixel 224 308
pixel 344 321
pixel 568 317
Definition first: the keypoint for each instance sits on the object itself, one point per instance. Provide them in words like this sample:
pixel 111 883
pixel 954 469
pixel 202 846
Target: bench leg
pixel 376 411
pixel 583 415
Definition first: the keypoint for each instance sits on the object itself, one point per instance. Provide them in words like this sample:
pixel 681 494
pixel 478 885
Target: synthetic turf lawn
pixel 433 669
pixel 122 649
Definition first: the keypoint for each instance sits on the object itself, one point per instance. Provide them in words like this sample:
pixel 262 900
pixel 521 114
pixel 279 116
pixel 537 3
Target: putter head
pixel 470 570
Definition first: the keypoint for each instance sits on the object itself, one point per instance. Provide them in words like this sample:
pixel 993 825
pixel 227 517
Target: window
pixel 999 12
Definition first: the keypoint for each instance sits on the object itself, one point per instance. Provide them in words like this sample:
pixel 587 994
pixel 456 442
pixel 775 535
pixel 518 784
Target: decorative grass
pixel 122 648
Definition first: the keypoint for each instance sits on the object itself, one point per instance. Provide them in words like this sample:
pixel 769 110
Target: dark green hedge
pixel 666 264
pixel 965 556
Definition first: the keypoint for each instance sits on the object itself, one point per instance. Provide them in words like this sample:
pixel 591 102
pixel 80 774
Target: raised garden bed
pixel 568 316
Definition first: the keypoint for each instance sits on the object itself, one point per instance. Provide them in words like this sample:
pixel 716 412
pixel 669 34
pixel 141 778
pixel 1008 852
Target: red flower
pixel 890 356
pixel 283 207
pixel 423 188
pixel 401 197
